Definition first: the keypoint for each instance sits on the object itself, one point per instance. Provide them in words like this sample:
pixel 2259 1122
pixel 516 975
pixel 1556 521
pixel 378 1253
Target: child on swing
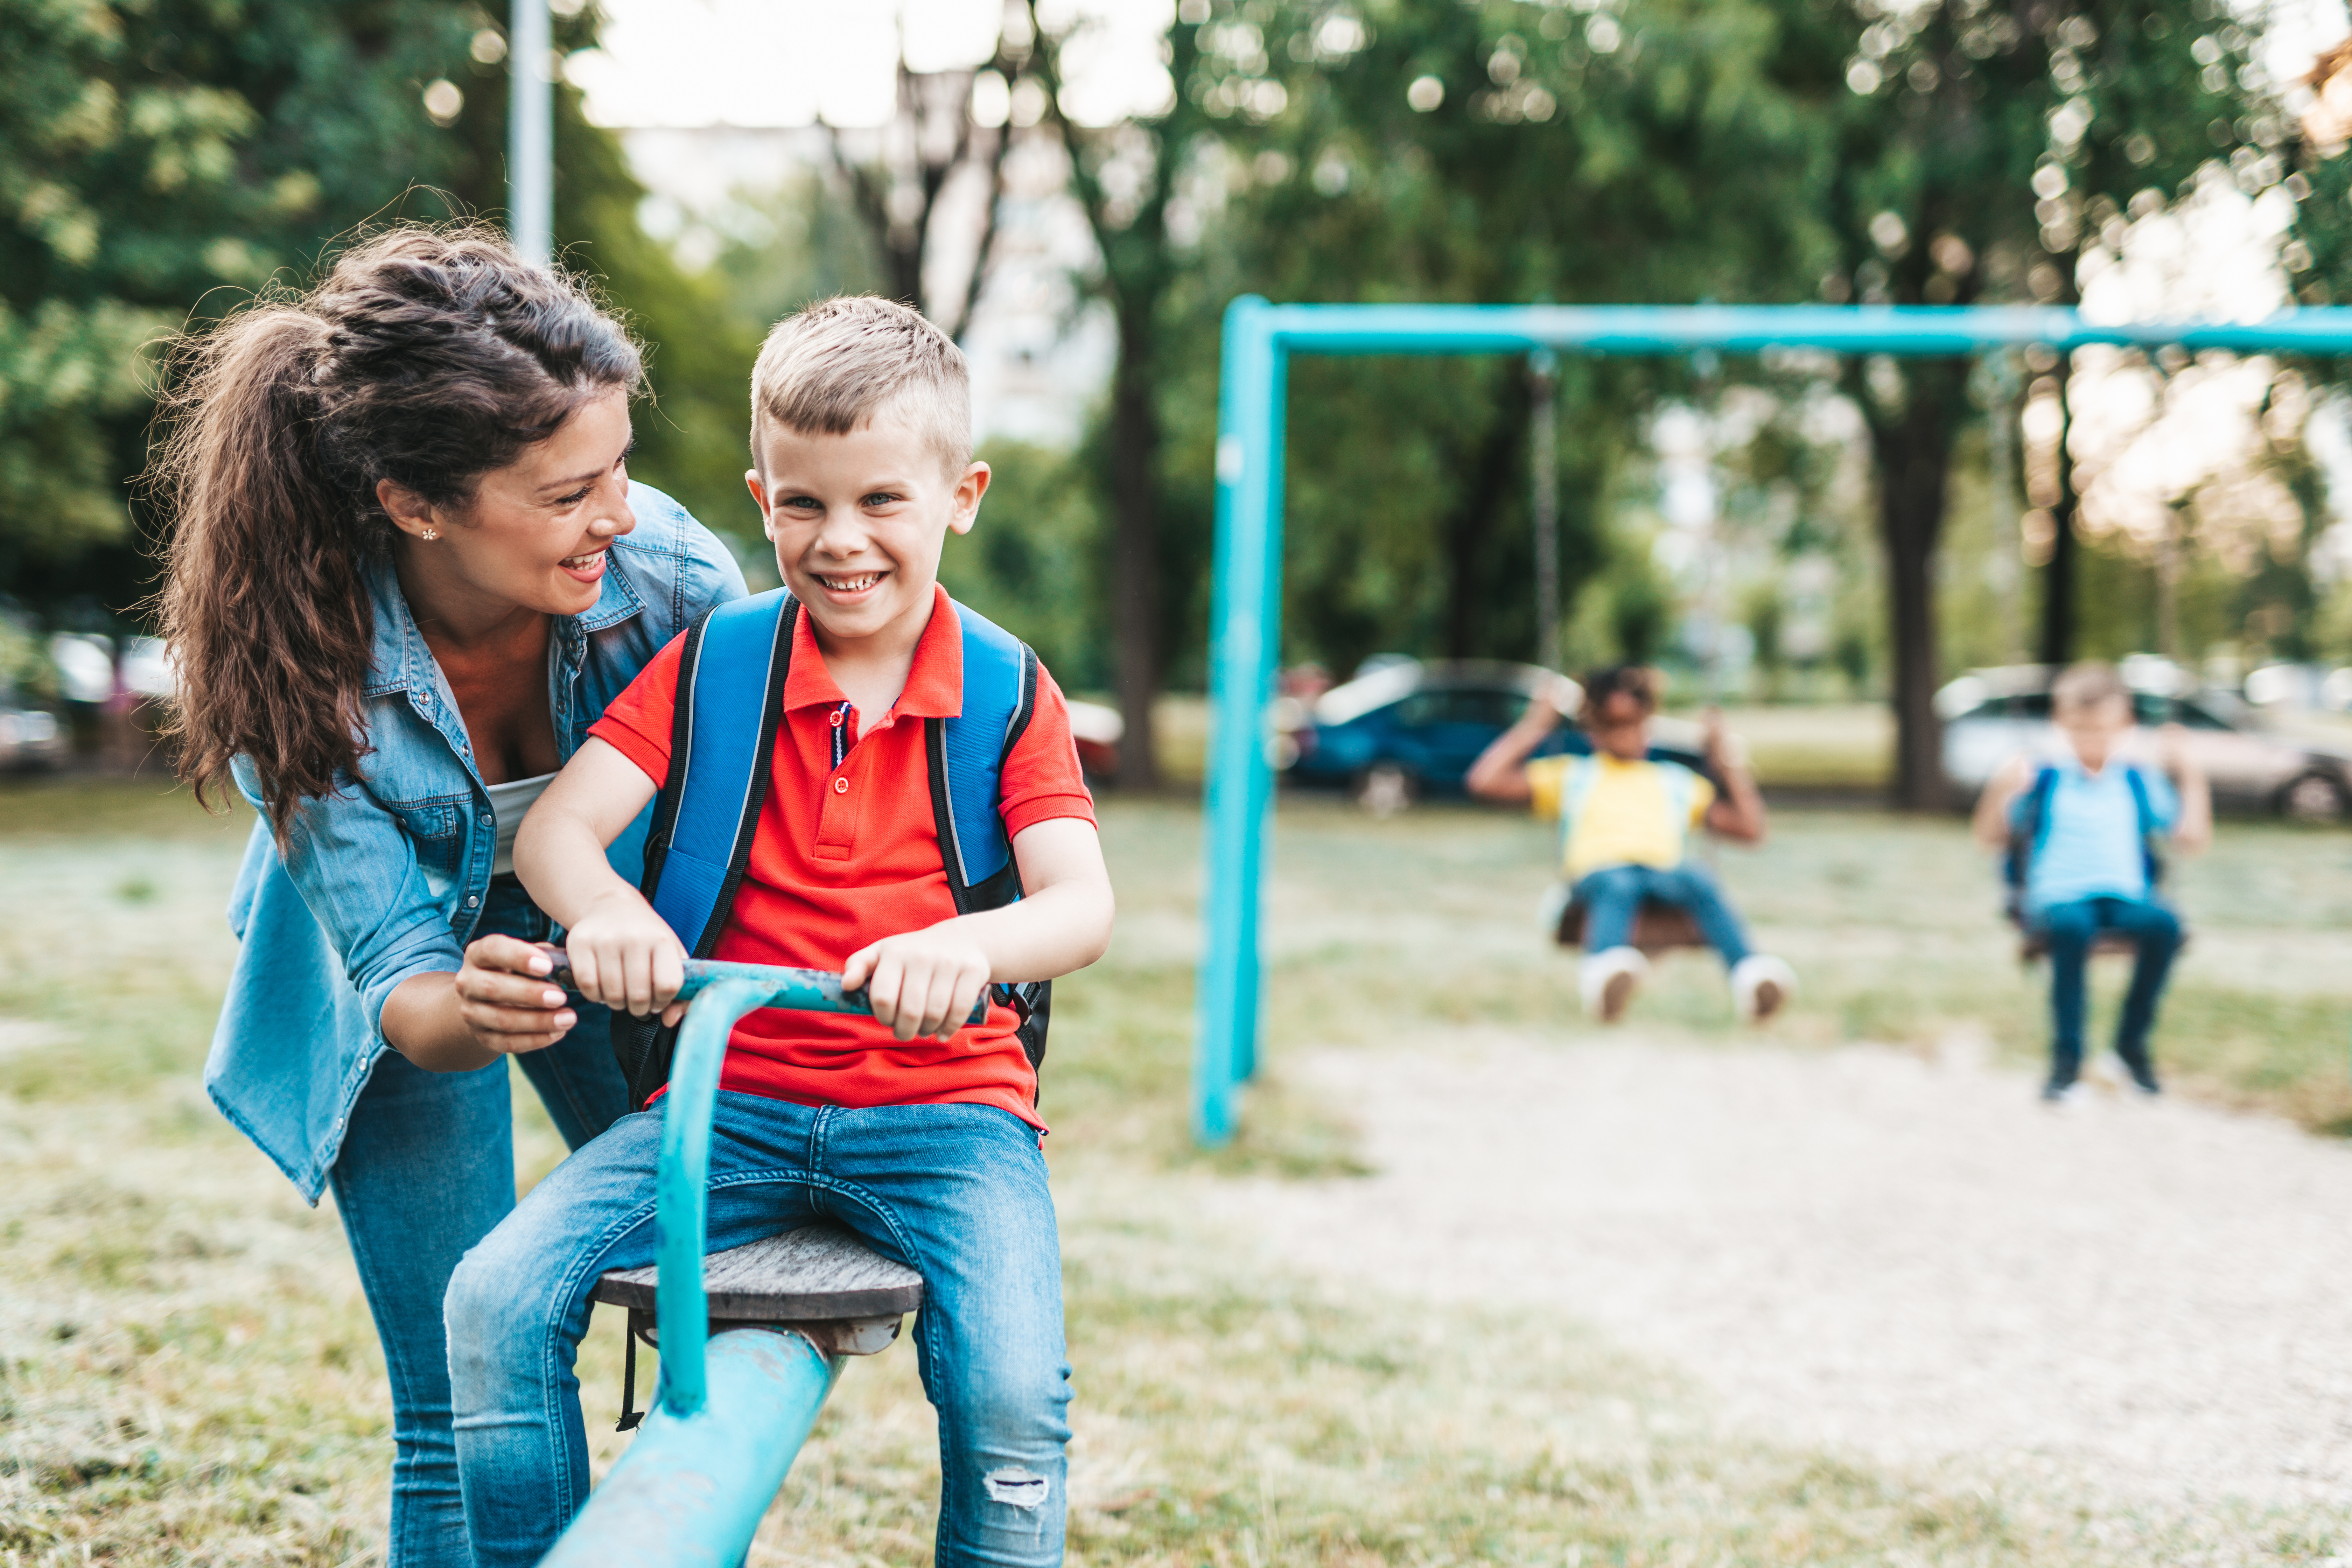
pixel 2082 827
pixel 1626 819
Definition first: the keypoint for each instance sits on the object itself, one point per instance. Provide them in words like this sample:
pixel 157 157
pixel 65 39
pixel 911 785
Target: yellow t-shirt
pixel 1619 812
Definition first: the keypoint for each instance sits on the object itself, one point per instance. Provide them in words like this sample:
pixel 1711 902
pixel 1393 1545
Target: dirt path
pixel 1912 1259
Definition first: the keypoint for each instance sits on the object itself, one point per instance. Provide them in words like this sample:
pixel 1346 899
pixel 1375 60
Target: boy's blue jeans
pixel 2070 927
pixel 1613 897
pixel 956 1192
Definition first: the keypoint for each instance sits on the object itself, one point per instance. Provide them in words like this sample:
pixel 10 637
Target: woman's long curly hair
pixel 426 356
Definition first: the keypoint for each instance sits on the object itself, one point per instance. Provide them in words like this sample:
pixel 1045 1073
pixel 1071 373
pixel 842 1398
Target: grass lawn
pixel 188 1373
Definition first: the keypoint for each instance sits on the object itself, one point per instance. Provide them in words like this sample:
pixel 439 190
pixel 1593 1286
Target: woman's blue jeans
pixel 426 1171
pixel 956 1192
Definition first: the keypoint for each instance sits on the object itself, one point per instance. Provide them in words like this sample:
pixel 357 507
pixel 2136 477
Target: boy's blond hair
pixel 831 368
pixel 2087 684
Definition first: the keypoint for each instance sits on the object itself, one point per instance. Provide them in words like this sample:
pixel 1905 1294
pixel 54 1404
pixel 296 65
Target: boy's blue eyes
pixel 879 498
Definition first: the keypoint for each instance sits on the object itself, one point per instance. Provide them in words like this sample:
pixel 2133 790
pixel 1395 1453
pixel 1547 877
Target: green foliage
pixel 1550 168
pixel 161 160
pixel 1033 563
pixel 164 158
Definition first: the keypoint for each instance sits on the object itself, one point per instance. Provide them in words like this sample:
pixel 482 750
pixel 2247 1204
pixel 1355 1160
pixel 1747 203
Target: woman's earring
pixel 430 533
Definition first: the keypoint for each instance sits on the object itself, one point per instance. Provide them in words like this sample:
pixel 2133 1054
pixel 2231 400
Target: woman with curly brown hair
pixel 408 570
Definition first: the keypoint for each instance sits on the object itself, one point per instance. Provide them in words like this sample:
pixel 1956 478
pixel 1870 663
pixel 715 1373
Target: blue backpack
pixel 730 693
pixel 2031 828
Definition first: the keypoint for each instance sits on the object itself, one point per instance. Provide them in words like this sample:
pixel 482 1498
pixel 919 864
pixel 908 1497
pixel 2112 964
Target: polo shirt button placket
pixel 840 784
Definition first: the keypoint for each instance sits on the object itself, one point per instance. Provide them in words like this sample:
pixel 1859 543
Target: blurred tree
pixel 1126 178
pixel 935 139
pixel 1974 151
pixel 155 159
pixel 159 161
pixel 1493 153
pixel 787 247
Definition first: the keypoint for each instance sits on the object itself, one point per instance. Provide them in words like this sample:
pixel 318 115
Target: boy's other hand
pixel 505 1000
pixel 920 982
pixel 626 956
pixel 2172 750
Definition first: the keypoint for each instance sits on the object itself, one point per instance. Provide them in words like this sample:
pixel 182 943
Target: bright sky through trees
pixel 793 62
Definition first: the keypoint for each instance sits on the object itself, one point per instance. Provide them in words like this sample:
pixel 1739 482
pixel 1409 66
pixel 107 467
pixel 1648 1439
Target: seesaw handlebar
pixel 807 990
pixel 726 991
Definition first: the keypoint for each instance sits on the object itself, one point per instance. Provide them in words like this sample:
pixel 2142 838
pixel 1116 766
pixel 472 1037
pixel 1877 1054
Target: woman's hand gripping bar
pixel 808 990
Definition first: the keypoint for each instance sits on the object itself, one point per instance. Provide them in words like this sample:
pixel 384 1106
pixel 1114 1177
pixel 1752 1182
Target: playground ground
pixel 1477 1283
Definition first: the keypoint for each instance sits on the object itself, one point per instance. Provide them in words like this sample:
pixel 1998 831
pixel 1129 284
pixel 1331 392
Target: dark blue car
pixel 1407 728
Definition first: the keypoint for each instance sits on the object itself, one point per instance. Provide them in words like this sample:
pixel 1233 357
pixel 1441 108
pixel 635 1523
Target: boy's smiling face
pixel 858 521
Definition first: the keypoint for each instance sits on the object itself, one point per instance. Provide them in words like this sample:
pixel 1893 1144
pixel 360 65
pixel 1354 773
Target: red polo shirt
pixel 845 857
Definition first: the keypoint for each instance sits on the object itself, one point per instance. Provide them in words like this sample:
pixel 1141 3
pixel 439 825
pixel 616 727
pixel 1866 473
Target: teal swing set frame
pixel 1245 631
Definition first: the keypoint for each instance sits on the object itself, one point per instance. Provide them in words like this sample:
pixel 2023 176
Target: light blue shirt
pixel 390 875
pixel 2090 845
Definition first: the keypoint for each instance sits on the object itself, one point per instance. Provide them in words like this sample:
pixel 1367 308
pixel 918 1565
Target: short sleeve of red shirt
pixel 1042 777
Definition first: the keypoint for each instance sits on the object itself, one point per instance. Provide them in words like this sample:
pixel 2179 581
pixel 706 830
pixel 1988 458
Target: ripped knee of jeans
pixel 1021 1489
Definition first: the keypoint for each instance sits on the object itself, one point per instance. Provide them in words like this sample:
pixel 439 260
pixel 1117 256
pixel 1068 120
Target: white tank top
pixel 507 802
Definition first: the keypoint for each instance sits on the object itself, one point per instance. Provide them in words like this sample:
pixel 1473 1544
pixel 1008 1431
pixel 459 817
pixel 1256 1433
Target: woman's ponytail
pixel 428 357
pixel 263 604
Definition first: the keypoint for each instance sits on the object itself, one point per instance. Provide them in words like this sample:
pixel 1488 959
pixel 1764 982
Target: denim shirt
pixel 390 875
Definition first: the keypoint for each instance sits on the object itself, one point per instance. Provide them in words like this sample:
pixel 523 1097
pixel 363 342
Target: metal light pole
pixel 530 133
pixel 1543 375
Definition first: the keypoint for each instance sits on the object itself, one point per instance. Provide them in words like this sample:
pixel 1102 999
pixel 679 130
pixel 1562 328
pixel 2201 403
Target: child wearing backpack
pixel 2082 832
pixel 1625 820
pixel 859 847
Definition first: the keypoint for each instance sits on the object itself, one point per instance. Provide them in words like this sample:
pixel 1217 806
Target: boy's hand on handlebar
pixel 504 997
pixel 920 982
pixel 626 956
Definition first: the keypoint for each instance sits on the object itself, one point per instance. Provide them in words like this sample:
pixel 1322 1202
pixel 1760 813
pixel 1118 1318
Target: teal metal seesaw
pixel 750 1340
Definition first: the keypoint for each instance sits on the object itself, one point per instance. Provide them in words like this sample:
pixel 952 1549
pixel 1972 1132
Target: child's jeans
pixel 956 1192
pixel 1613 897
pixel 2071 929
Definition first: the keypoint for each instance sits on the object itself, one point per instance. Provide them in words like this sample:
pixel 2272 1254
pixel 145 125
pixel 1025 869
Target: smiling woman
pixel 408 570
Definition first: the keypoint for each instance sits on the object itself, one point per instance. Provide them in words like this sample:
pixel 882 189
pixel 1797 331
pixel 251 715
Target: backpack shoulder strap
pixel 967 756
pixel 730 689
pixel 2031 827
pixel 2150 839
pixel 1575 788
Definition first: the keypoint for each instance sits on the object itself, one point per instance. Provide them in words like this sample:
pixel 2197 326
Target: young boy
pixel 2085 824
pixel 1624 821
pixel 917 1133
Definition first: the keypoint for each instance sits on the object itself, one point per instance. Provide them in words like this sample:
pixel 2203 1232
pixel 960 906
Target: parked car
pixel 1991 715
pixel 1407 728
pixel 30 736
pixel 1097 731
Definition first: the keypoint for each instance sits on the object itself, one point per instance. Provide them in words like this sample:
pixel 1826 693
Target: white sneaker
pixel 1761 983
pixel 1607 980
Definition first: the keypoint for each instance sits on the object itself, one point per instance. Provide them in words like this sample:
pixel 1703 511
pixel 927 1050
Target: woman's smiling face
pixel 537 532
pixel 858 520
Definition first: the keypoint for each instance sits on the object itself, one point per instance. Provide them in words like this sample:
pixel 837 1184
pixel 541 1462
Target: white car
pixel 1991 715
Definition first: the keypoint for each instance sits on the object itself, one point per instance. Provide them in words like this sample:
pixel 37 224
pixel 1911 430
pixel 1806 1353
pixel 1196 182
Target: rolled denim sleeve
pixel 357 870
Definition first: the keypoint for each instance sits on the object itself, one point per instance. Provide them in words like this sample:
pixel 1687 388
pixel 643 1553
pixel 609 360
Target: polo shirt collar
pixel 934 684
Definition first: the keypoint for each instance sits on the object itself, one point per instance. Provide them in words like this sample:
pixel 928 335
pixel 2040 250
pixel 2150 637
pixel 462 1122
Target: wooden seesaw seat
pixel 819 1281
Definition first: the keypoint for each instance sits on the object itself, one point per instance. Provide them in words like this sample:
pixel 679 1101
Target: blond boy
pixel 917 1133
